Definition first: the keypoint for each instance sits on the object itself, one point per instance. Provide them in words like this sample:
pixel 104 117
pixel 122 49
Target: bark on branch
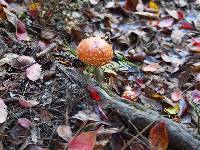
pixel 180 137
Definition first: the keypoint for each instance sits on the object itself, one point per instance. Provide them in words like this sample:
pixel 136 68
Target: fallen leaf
pixel 34 72
pixel 2 13
pixel 64 131
pixel 173 110
pixel 35 147
pixel 153 6
pixel 152 94
pixel 176 95
pixel 110 4
pixel 166 23
pixel 33 9
pixel 22 62
pixel 24 122
pixel 186 25
pixel 172 13
pixel 12 18
pixel 147 14
pixel 151 68
pixel 195 96
pixel 158 137
pixel 86 115
pixel 183 105
pixel 47 35
pixel 181 15
pixel 84 141
pixel 28 103
pixel 131 5
pixel 21 32
pixel 94 2
pixel 177 36
pixel 94 93
pixel 3 111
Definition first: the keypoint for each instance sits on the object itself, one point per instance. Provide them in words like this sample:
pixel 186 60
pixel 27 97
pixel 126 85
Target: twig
pixel 47 50
pixel 135 137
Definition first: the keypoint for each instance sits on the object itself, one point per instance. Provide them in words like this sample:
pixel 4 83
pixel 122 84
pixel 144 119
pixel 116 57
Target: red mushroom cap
pixel 95 51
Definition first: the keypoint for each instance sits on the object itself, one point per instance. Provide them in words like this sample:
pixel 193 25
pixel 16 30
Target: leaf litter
pixel 156 64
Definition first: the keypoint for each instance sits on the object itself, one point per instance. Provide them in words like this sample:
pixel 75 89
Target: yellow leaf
pixel 173 110
pixel 153 6
pixel 34 6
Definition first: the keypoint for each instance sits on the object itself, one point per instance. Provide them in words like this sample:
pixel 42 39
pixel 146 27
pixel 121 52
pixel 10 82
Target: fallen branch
pixel 180 137
pixel 47 50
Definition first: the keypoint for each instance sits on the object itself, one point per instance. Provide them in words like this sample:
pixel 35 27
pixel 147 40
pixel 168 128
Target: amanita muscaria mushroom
pixel 130 95
pixel 95 52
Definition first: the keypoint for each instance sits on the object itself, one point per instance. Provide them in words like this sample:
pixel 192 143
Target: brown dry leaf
pixel 176 95
pixel 64 131
pixel 2 13
pixel 131 5
pixel 151 68
pixel 158 137
pixel 152 94
pixel 45 115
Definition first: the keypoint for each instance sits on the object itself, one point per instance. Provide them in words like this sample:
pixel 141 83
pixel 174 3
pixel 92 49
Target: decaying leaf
pixel 158 137
pixel 173 110
pixel 24 122
pixel 3 111
pixel 28 103
pixel 34 72
pixel 86 115
pixel 64 131
pixel 151 67
pixel 176 95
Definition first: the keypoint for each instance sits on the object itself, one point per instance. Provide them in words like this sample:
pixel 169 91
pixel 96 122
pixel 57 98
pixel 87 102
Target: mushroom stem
pixel 99 75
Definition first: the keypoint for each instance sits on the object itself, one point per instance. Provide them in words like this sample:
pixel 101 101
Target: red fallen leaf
pixel 84 141
pixel 24 122
pixel 158 137
pixel 181 14
pixel 196 42
pixel 186 25
pixel 27 103
pixel 21 32
pixel 94 93
pixel 176 95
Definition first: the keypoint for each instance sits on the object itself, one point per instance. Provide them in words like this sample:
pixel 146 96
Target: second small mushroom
pixel 95 52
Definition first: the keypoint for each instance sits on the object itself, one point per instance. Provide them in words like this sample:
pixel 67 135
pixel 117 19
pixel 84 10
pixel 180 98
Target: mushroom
pixel 95 52
pixel 130 95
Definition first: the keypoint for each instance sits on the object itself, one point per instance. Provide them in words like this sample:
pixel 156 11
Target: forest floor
pixel 50 100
